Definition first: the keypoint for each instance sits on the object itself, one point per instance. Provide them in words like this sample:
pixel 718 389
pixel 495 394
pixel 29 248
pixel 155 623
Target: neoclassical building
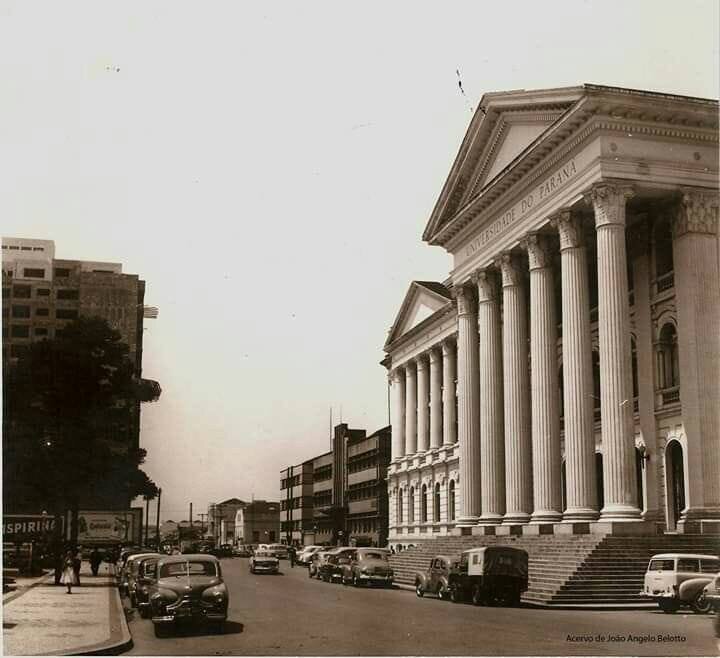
pixel 566 376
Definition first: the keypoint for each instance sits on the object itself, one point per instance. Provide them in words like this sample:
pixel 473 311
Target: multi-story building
pixel 578 329
pixel 41 294
pixel 258 523
pixel 296 503
pixel 342 493
pixel 221 520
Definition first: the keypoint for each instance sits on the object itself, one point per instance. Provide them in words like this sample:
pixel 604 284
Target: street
pixel 290 614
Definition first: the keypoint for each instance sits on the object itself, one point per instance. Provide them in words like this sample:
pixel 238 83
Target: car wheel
pixel 310 575
pixel 144 612
pixel 419 590
pixel 477 596
pixel 700 604
pixel 668 606
pixel 455 595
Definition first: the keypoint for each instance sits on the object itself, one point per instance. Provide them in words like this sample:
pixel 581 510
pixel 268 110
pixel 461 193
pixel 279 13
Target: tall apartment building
pixel 339 496
pixel 41 294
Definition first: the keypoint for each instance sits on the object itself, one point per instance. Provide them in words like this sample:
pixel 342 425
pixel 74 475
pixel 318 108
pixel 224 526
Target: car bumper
pixel 258 567
pixel 372 578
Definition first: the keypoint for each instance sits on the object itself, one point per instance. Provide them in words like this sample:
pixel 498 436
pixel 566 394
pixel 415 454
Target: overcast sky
pixel 268 169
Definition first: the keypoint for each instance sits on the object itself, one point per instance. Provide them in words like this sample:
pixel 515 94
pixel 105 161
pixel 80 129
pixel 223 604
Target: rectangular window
pixel 41 331
pixel 38 248
pixel 62 272
pixel 688 564
pixel 22 292
pixel 20 331
pixel 6 292
pixel 43 292
pixel 14 248
pixel 26 248
pixel 66 314
pixel 19 350
pixel 21 311
pixel 6 311
pixel 68 293
pixel 42 311
pixel 33 273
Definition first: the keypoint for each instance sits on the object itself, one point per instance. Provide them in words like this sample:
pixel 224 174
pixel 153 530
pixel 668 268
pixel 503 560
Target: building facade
pixel 41 294
pixel 221 520
pixel 566 376
pixel 258 523
pixel 339 497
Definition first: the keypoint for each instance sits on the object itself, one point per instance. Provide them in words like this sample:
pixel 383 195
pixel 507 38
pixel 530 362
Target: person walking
pixel 95 561
pixel 291 556
pixel 77 563
pixel 68 577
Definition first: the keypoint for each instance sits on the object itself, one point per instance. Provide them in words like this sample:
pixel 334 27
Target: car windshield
pixel 194 568
pixel 372 555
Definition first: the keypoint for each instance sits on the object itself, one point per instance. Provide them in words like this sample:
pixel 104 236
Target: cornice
pixel 419 328
pixel 532 165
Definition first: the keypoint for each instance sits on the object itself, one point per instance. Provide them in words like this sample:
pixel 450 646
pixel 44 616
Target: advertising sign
pixel 29 527
pixel 109 527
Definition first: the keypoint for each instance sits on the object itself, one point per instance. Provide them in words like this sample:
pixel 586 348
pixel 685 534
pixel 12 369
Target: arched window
pixel 451 500
pixel 436 503
pixel 411 505
pixel 423 504
pixel 667 354
pixel 400 514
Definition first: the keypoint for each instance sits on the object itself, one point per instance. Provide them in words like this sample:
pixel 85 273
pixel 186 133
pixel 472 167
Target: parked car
pixel 367 566
pixel 242 550
pixel 305 554
pixel 134 573
pixel 712 592
pixel 188 588
pixel 280 551
pixel 316 559
pixel 127 568
pixel 490 575
pixel 435 580
pixel 330 568
pixel 677 579
pixel 264 560
pixel 147 575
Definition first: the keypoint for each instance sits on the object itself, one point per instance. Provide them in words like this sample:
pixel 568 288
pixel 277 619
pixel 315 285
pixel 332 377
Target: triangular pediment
pixel 422 299
pixel 505 126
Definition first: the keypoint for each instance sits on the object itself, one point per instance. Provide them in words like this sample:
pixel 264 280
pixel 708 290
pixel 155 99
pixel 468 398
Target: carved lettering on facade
pixel 540 193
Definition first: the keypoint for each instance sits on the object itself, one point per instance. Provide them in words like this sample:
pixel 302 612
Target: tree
pixel 68 404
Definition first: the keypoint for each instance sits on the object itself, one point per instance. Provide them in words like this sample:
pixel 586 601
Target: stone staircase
pixel 568 570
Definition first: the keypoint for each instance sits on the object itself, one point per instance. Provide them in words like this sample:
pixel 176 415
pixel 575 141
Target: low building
pixel 221 520
pixel 257 522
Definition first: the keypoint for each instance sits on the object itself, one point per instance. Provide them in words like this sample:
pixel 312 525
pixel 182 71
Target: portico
pixel 579 329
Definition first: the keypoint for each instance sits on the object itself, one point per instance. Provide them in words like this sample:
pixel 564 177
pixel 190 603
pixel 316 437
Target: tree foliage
pixel 69 406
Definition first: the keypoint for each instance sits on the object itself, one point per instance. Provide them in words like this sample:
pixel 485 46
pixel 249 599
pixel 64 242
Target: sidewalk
pixel 40 618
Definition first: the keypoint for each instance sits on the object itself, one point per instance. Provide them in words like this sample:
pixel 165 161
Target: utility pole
pixel 202 522
pixel 147 518
pixel 157 521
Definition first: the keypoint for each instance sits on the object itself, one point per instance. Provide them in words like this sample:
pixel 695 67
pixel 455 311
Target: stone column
pixel 697 286
pixel 436 420
pixel 544 390
pixel 410 408
pixel 492 435
pixel 518 455
pixel 468 407
pixel 423 399
pixel 397 388
pixel 578 404
pixel 616 398
pixel 448 392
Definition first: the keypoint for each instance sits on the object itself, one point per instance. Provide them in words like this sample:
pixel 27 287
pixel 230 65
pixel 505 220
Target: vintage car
pixel 305 554
pixel 280 551
pixel 242 550
pixel 367 566
pixel 329 568
pixel 127 568
pixel 263 561
pixel 712 592
pixel 188 588
pixel 677 579
pixel 147 576
pixel 435 579
pixel 489 576
pixel 135 567
pixel 316 560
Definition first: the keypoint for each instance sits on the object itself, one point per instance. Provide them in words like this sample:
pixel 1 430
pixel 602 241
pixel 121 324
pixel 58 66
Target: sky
pixel 268 169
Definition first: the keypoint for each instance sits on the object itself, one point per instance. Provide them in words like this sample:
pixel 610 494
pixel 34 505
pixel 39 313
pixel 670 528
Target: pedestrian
pixel 77 563
pixel 68 577
pixel 291 556
pixel 95 561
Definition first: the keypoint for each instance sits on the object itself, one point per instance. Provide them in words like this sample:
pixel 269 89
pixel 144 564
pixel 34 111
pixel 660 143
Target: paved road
pixel 289 614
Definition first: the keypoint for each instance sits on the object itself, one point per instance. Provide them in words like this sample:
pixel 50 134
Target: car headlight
pixel 364 570
pixel 217 593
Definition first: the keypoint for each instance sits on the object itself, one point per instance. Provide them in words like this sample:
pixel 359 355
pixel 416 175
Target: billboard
pixel 29 527
pixel 109 526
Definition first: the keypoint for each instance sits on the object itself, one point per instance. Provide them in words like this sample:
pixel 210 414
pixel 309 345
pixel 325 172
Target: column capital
pixel 510 269
pixel 434 354
pixel 486 282
pixel 448 345
pixel 608 201
pixel 421 361
pixel 464 298
pixel 395 374
pixel 697 212
pixel 539 250
pixel 569 229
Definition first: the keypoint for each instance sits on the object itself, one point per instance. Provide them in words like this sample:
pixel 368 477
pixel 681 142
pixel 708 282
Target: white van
pixel 675 579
